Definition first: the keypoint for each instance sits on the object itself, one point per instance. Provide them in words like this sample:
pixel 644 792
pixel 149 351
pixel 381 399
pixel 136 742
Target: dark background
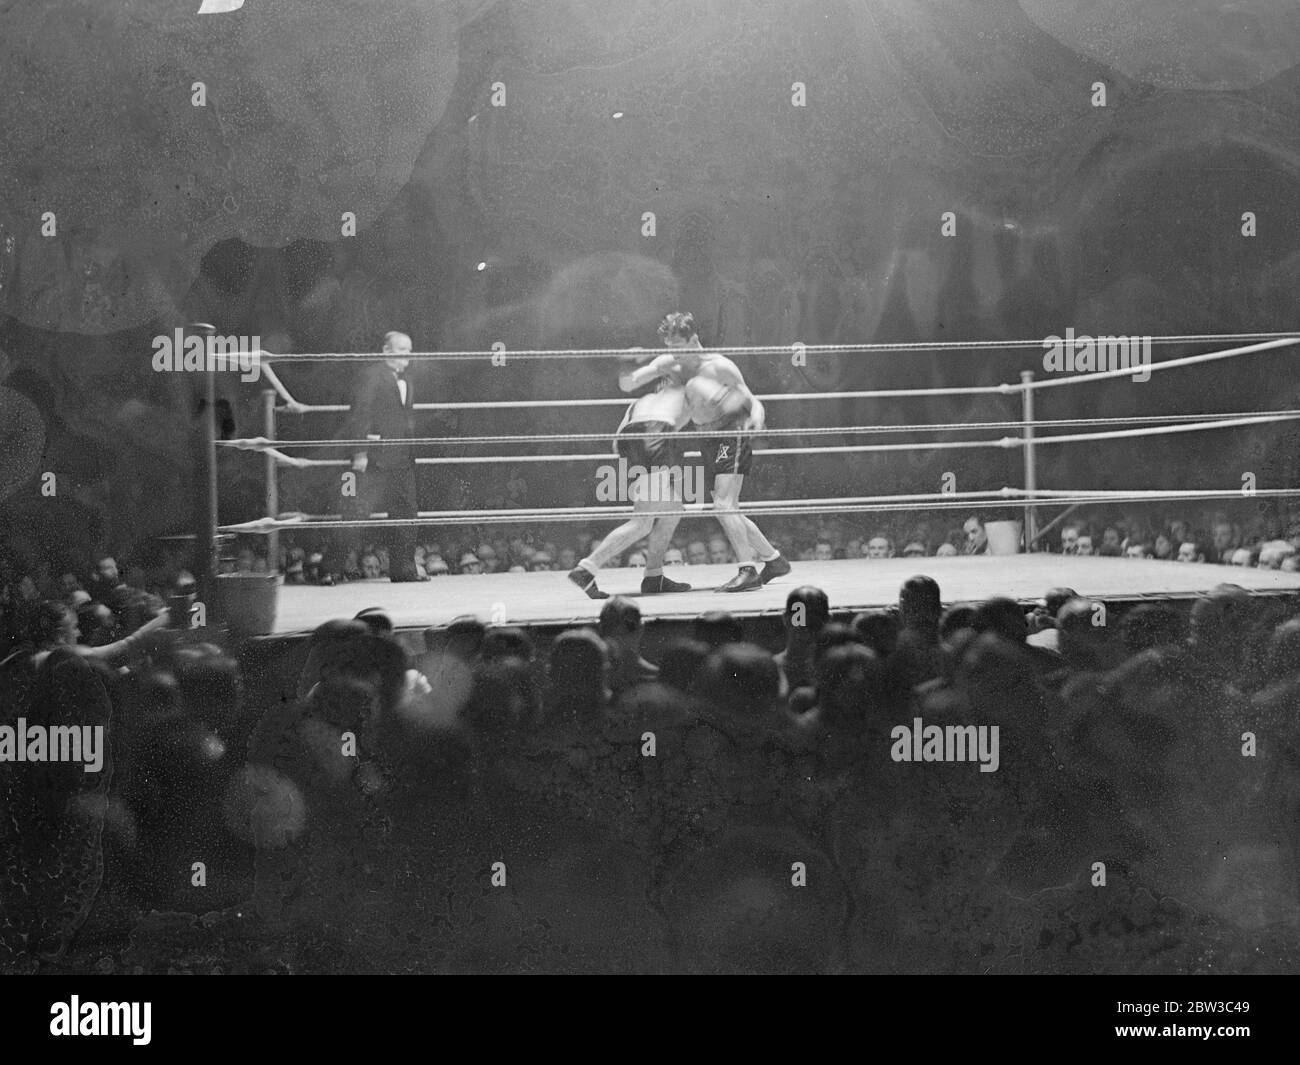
pixel 775 223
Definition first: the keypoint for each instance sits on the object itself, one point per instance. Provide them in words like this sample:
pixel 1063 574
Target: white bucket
pixel 1004 537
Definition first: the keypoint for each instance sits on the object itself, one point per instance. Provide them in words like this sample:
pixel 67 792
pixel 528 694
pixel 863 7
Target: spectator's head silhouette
pixel 806 611
pixel 717 628
pixel 919 606
pixel 741 681
pixel 1002 617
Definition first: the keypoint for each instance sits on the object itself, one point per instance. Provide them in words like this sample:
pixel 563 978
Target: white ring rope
pixel 1088 377
pixel 600 510
pixel 1284 340
pixel 784 507
pixel 874 347
pixel 944 501
pixel 1018 496
pixel 263 444
pixel 505 404
pixel 1118 434
pixel 1055 494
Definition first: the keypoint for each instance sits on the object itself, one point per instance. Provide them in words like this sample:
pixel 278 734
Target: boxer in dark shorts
pixel 663 450
pixel 721 404
pixel 727 453
pixel 651 470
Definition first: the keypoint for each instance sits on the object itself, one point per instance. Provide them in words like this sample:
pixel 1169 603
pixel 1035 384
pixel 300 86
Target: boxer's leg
pixel 726 495
pixel 759 544
pixel 665 488
pixel 666 494
pixel 630 532
pixel 618 541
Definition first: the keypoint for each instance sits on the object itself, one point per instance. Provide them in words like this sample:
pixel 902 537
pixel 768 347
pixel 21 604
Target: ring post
pixel 205 540
pixel 272 482
pixel 1031 470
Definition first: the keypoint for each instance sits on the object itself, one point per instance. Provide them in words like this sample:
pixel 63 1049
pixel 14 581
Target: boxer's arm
pixel 634 380
pixel 728 373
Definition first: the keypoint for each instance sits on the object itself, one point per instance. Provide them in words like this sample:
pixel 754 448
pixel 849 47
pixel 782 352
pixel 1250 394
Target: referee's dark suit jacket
pixel 389 481
pixel 379 411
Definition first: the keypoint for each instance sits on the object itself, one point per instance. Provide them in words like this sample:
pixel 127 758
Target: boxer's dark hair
pixel 678 324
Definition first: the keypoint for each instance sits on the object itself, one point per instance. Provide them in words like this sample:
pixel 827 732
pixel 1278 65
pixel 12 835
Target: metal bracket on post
pixel 1031 470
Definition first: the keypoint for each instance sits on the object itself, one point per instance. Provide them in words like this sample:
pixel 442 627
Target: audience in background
pixel 1261 539
pixel 1096 702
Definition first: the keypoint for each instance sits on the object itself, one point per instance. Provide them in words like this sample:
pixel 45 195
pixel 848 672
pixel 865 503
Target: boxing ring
pixel 853 584
pixel 549 599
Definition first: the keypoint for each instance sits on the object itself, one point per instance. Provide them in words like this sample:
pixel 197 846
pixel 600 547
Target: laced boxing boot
pixel 746 580
pixel 661 585
pixel 587 582
pixel 777 567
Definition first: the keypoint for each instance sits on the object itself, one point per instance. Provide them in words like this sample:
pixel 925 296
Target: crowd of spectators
pixel 111 656
pixel 1122 717
pixel 1265 542
pixel 109 609
pixel 113 617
